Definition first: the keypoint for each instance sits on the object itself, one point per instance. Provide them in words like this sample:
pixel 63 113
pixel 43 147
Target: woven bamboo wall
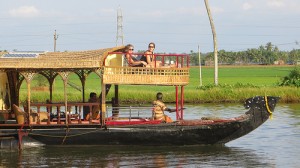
pixel 150 76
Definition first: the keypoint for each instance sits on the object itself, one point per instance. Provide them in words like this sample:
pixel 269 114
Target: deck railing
pixel 141 75
pixel 74 111
pixel 129 112
pixel 173 69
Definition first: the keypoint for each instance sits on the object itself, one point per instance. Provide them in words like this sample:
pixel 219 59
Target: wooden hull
pixel 186 132
pixel 162 134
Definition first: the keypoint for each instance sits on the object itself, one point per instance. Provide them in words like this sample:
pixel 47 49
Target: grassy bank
pixel 235 85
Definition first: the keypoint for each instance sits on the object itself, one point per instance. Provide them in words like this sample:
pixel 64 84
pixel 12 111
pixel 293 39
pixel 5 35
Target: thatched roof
pixel 59 60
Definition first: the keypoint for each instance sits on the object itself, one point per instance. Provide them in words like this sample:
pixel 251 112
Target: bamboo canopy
pixel 59 60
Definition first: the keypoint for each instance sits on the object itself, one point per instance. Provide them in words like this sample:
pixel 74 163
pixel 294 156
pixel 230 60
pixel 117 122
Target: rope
pixel 65 136
pixel 67 131
pixel 268 109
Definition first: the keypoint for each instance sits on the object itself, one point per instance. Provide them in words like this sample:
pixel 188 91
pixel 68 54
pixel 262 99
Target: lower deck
pixel 53 115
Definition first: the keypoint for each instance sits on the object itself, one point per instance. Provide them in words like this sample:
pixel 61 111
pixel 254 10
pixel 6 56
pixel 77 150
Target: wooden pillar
pixel 83 80
pixel 51 91
pixel 28 77
pixel 182 102
pixel 176 95
pixel 64 76
pixel 103 103
pixel 51 79
pixel 115 103
pixel 83 92
pixel 102 96
pixel 117 94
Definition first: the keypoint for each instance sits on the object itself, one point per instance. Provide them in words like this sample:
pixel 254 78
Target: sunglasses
pixel 131 49
pixel 151 46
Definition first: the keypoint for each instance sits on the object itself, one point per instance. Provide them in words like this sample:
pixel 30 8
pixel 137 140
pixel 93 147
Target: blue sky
pixel 174 25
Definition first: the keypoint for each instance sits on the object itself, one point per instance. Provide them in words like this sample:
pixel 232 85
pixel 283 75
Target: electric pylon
pixel 120 37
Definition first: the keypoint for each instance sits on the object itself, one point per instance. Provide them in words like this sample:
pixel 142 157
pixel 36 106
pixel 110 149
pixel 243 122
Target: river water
pixel 274 144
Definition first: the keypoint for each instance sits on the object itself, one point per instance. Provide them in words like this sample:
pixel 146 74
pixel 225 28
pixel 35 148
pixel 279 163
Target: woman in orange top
pixel 132 59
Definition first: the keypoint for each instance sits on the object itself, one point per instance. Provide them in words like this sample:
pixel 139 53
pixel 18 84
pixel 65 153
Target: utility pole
pixel 200 71
pixel 215 40
pixel 55 38
pixel 120 37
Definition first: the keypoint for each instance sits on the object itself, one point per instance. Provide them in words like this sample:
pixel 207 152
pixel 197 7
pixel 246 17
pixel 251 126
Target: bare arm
pixel 148 57
pixel 132 62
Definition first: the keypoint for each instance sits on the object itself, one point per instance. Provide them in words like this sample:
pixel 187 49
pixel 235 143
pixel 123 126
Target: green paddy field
pixel 236 83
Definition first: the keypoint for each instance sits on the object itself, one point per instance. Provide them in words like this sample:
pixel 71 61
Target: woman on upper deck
pixel 132 59
pixel 150 57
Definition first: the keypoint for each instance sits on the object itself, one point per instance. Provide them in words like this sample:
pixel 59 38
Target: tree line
pixel 263 55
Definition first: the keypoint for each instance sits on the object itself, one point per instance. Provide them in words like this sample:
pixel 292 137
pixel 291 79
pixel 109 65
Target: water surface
pixel 274 144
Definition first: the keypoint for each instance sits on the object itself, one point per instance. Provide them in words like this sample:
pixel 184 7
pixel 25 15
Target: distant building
pixel 209 63
pixel 279 62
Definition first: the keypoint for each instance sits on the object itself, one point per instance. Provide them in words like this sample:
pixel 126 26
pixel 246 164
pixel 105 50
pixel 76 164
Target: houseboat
pixel 63 122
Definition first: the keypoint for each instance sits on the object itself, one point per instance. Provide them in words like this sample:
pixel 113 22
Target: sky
pixel 176 26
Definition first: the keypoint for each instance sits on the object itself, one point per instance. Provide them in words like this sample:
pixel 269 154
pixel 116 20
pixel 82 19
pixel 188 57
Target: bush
pixel 227 86
pixel 293 79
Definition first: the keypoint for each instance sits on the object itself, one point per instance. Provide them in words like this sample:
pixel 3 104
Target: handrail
pixel 149 54
pixel 146 71
pixel 132 111
pixel 181 61
pixel 77 106
pixel 127 111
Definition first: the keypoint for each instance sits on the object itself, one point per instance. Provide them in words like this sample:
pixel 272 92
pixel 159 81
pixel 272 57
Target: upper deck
pixel 173 70
pixel 109 64
pixel 146 76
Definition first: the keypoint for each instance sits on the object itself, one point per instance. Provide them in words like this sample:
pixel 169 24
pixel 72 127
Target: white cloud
pixel 24 11
pixel 247 6
pixel 275 3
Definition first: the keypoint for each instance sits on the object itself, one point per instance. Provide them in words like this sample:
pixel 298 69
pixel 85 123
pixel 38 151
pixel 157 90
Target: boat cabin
pixel 109 64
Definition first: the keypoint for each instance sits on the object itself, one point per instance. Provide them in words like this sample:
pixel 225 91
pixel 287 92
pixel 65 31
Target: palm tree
pixel 269 46
pixel 215 40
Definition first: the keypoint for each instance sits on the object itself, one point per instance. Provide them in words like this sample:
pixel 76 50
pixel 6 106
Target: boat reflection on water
pixel 135 156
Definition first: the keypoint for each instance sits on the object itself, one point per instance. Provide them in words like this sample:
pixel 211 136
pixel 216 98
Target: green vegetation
pixel 293 79
pixel 268 54
pixel 236 83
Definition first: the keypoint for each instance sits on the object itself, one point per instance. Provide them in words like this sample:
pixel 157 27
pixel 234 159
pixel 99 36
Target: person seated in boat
pixel 149 56
pixel 34 115
pixel 158 109
pixel 95 108
pixel 132 59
